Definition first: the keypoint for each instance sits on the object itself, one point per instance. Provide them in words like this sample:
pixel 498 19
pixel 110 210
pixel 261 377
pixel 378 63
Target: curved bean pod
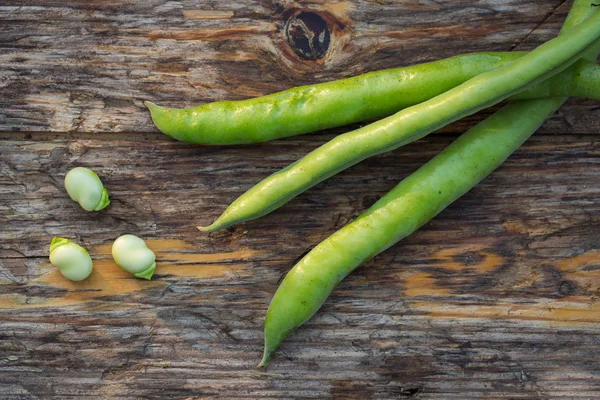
pixel 410 124
pixel 369 96
pixel 413 202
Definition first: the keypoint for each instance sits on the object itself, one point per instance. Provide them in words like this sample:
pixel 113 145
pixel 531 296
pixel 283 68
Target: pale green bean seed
pixel 131 254
pixel 72 260
pixel 84 187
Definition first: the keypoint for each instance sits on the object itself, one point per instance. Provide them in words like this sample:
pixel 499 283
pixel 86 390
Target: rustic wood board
pixel 498 297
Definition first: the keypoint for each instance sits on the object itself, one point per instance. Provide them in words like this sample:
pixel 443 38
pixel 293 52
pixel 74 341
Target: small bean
pixel 131 254
pixel 84 187
pixel 72 260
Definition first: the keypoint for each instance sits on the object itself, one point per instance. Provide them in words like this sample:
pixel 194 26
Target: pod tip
pixel 215 226
pixel 208 228
pixel 265 360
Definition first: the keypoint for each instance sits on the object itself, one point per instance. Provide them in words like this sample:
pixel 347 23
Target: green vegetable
pixel 373 95
pixel 413 202
pixel 72 260
pixel 84 187
pixel 410 124
pixel 131 254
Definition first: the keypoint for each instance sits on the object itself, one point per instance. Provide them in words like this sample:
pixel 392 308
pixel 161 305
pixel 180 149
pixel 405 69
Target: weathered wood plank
pixel 87 66
pixel 497 297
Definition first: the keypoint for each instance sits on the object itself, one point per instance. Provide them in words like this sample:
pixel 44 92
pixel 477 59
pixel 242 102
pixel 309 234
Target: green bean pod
pixel 369 96
pixel 410 124
pixel 413 202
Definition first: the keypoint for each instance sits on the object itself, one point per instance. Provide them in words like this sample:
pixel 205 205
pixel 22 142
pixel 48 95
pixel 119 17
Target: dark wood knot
pixel 308 35
pixel 566 288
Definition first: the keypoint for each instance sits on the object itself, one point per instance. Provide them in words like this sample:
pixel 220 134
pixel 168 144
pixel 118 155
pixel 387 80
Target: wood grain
pixel 87 66
pixel 498 297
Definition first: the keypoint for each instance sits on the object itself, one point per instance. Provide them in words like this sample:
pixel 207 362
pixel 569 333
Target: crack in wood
pixel 538 25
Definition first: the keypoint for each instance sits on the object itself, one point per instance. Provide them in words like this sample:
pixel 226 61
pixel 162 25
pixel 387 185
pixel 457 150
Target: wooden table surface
pixel 498 297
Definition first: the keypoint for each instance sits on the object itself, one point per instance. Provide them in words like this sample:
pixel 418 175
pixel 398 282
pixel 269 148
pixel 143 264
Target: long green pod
pixel 369 96
pixel 410 124
pixel 413 202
